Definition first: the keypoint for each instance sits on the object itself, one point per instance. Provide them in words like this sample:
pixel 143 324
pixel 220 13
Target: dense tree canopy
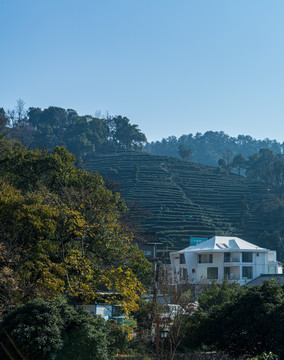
pixel 3 120
pixel 81 135
pixel 248 323
pixel 46 330
pixel 209 147
pixel 61 232
pixel 216 295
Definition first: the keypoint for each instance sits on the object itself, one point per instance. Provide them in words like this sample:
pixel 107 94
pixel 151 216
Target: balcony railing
pixel 232 277
pixel 232 259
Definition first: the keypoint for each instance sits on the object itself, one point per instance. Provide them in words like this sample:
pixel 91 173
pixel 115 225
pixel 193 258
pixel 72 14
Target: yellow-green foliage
pixel 60 232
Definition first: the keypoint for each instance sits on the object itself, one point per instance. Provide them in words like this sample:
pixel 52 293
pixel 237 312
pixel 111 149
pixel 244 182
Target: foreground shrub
pixel 251 323
pixel 48 330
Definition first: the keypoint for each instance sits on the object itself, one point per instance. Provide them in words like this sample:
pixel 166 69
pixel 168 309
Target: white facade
pixel 222 258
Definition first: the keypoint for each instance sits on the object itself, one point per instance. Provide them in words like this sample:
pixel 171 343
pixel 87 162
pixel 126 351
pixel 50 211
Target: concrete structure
pixel 222 258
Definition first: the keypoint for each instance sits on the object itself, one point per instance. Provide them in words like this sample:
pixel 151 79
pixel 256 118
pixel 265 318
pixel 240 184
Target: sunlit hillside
pixel 182 199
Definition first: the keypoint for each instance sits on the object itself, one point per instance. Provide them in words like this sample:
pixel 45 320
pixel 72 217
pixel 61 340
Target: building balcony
pixel 232 257
pixel 232 273
pixel 232 277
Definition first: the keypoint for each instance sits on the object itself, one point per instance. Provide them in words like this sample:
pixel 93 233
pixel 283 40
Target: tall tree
pixel 124 135
pixel 185 153
pixel 3 121
pixel 239 162
pixel 66 226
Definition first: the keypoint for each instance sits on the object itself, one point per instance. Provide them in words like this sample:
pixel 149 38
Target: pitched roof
pixel 223 244
pixel 278 278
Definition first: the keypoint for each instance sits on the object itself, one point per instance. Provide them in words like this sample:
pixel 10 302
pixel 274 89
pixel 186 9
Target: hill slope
pixel 183 199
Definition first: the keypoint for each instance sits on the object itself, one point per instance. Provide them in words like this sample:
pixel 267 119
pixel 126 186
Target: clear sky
pixel 172 67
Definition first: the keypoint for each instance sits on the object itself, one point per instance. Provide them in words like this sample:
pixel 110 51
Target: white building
pixel 222 258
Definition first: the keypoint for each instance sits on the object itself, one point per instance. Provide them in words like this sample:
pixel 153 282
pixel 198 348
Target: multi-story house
pixel 222 258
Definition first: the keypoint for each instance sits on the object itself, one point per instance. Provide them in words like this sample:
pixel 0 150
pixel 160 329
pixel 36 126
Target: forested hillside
pixel 182 199
pixel 87 135
pixel 83 135
pixel 209 147
pixel 178 198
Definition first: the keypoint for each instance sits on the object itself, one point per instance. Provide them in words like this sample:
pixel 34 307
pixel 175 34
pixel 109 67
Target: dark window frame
pixel 212 273
pixel 181 259
pixel 227 257
pixel 227 272
pixel 247 272
pixel 203 260
pixel 247 257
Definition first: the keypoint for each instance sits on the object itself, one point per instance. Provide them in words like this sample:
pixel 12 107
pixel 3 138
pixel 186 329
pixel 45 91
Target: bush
pixel 48 330
pixel 249 323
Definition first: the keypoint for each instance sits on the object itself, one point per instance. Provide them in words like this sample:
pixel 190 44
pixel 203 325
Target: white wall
pixel 260 265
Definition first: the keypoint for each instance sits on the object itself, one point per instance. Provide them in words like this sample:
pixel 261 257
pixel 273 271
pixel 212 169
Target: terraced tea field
pixel 183 199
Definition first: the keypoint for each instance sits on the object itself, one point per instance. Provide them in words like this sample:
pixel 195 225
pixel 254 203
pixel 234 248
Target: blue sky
pixel 172 67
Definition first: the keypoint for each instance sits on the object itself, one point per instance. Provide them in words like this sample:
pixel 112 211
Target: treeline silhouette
pixel 209 147
pixel 82 135
pixel 264 166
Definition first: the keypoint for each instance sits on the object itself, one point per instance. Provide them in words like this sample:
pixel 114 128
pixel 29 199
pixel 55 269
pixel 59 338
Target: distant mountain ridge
pixel 209 147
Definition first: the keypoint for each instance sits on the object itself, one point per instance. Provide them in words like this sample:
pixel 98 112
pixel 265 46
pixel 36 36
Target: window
pixel 212 273
pixel 193 271
pixel 271 270
pixel 227 273
pixel 181 259
pixel 222 246
pixel 247 257
pixel 147 252
pixel 247 272
pixel 227 257
pixel 205 258
pixel 184 274
pixel 104 311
